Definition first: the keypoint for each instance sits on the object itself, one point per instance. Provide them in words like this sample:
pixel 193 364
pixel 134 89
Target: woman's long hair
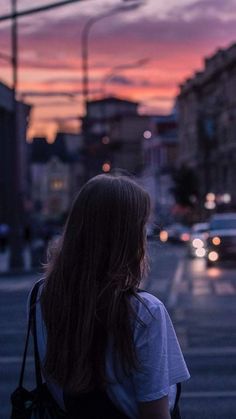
pixel 88 282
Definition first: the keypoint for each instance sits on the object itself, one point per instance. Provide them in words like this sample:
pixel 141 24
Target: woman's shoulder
pixel 151 300
pixel 148 307
pixel 36 287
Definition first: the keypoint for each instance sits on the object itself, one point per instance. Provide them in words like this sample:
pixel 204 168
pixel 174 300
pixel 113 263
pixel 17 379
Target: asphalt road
pixel 202 305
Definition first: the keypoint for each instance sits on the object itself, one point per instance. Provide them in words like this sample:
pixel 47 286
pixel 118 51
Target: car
pixel 176 233
pixel 198 240
pixel 221 241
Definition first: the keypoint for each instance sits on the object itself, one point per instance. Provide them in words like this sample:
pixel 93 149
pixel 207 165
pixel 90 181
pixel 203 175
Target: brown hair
pixel 98 265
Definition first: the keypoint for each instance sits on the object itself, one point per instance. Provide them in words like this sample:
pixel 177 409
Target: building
pixel 113 136
pixel 160 147
pixel 56 173
pixel 12 171
pixel 207 126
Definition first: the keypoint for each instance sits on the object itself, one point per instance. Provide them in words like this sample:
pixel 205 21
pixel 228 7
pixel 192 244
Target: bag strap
pixel 178 393
pixel 31 323
pixel 37 366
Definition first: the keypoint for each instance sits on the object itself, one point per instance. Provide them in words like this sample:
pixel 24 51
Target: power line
pixel 37 9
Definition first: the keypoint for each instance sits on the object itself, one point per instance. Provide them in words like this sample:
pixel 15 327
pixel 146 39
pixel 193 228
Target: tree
pixel 185 189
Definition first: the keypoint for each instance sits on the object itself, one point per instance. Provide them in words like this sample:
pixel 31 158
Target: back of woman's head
pixel 97 266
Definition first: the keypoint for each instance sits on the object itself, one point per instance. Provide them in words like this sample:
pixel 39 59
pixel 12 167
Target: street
pixel 202 306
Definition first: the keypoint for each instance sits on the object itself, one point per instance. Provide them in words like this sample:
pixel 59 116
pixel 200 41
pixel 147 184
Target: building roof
pixel 41 151
pixel 6 99
pixel 112 99
pixel 214 64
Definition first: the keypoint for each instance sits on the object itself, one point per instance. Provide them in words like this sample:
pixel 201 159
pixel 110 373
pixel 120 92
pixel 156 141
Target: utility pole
pixel 85 68
pixel 16 211
pixel 85 42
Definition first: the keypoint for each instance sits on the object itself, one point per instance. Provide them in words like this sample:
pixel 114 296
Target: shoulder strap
pixel 31 323
pixel 38 374
pixel 178 393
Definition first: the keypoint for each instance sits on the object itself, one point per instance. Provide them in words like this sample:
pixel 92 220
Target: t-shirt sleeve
pixel 161 363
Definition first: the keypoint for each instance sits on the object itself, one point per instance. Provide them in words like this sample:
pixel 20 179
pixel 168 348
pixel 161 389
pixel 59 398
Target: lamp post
pixel 16 215
pixel 85 44
pixel 85 67
pixel 115 71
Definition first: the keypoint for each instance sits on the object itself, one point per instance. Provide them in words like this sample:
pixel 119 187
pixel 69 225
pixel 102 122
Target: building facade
pixel 160 146
pixel 12 146
pixel 207 126
pixel 56 173
pixel 113 136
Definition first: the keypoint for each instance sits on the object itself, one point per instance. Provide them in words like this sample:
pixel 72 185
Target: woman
pixel 96 331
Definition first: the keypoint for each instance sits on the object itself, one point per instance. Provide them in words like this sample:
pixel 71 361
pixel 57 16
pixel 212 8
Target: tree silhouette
pixel 185 189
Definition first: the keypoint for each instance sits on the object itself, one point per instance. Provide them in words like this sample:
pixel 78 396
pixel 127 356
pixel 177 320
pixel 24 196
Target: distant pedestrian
pixel 101 339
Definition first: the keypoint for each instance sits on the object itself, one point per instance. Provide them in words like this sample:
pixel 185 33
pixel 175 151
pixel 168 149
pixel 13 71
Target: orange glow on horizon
pixel 171 41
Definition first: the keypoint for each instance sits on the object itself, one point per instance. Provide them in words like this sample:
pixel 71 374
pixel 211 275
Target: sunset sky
pixel 149 51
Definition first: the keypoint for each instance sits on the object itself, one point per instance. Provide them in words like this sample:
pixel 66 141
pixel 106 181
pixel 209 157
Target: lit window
pixel 57 184
pixel 213 256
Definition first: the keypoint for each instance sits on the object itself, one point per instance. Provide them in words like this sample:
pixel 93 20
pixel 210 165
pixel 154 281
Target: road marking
pixel 201 287
pixel 202 290
pixel 10 332
pixel 227 350
pixel 173 297
pixel 16 285
pixel 199 282
pixel 14 359
pixel 208 394
pixel 183 287
pixel 224 288
pixel 179 314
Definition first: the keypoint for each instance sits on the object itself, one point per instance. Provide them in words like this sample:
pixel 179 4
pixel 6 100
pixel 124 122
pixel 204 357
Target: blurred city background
pixel 140 87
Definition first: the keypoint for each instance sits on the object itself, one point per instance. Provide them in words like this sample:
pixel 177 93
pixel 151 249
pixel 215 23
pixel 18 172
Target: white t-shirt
pixel 159 353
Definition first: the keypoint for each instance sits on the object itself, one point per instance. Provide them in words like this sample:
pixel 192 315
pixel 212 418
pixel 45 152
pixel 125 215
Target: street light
pixel 84 43
pixel 17 213
pixel 115 71
pixel 85 61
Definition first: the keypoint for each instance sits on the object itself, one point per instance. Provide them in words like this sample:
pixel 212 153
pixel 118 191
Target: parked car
pixel 221 242
pixel 176 233
pixel 198 240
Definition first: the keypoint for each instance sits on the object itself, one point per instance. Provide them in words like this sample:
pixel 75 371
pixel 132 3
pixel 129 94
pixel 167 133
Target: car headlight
pixel 213 256
pixel 200 252
pixel 197 243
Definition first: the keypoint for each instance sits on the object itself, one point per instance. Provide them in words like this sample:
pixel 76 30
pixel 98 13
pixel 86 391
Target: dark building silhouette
pixel 113 136
pixel 160 147
pixel 207 125
pixel 56 173
pixel 6 155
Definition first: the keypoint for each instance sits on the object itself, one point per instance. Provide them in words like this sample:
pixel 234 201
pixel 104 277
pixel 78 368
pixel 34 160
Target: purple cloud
pixel 206 6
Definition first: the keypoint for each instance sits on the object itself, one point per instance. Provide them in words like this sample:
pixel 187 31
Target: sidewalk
pixel 29 267
pixel 14 291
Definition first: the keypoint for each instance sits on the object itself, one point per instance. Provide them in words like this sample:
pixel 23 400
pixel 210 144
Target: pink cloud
pixel 175 46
